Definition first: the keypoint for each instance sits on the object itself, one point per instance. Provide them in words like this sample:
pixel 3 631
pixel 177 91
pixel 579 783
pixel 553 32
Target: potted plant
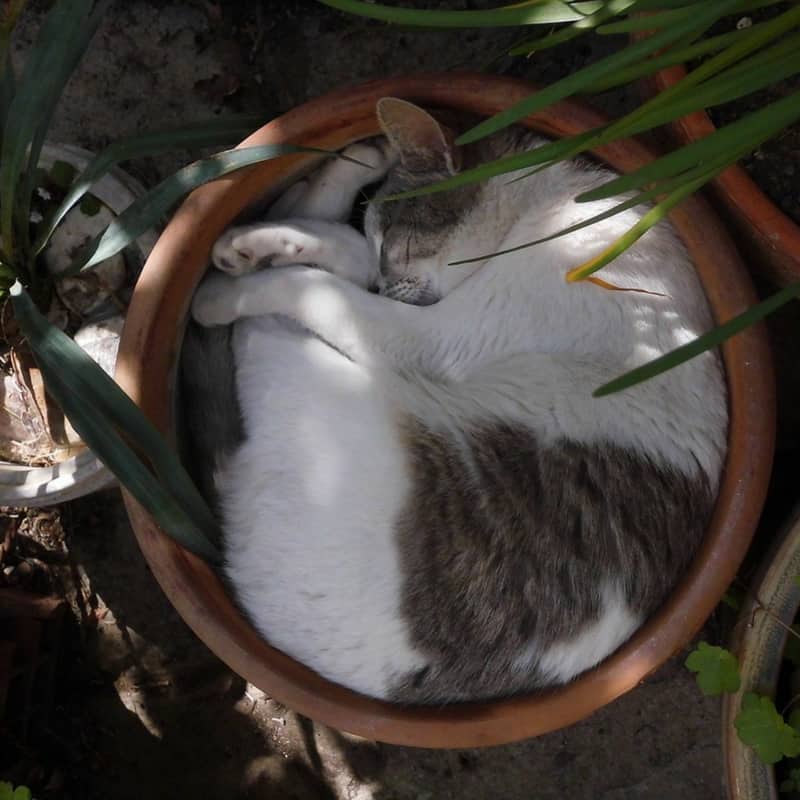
pixel 146 370
pixel 759 728
pixel 74 232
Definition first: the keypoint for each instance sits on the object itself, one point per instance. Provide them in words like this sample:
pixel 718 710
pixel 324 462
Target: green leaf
pixel 717 669
pixel 672 55
pixel 11 13
pixel 62 40
pixel 148 210
pixel 107 420
pixel 702 343
pixel 203 133
pixel 577 81
pixel 6 791
pixel 609 10
pixel 22 793
pixel 761 726
pixel 531 12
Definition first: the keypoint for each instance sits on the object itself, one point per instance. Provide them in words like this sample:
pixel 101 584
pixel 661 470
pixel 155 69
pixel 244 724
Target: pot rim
pixel 758 641
pixel 146 370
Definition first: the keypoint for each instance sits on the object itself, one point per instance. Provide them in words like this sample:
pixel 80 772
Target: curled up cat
pixel 425 503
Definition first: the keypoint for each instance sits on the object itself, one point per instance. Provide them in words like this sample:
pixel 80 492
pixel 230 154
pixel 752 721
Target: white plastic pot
pixel 82 473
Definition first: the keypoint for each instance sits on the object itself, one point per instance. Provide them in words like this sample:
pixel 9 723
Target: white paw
pixel 245 248
pixel 376 156
pixel 214 302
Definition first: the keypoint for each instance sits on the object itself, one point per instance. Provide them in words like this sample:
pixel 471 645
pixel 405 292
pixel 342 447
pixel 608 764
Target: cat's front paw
pixel 214 302
pixel 243 249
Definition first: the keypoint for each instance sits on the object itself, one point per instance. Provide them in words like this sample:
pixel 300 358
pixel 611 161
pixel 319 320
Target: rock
pixel 101 341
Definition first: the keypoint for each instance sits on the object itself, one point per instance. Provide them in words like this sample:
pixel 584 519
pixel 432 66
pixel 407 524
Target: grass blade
pixel 576 82
pixel 700 345
pixel 673 55
pixel 62 40
pixel 609 10
pixel 687 86
pixel 100 412
pixel 651 218
pixel 733 138
pixel 531 12
pixel 549 152
pixel 10 15
pixel 149 209
pixel 228 130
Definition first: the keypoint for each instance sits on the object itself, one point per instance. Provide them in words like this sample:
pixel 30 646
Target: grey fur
pixel 211 419
pixel 509 545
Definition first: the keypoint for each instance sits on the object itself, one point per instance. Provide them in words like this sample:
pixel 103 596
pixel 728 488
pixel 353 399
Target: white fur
pixel 312 495
pixel 564 660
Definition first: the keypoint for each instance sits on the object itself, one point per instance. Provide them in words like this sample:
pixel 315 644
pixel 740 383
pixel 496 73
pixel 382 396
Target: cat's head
pixel 413 236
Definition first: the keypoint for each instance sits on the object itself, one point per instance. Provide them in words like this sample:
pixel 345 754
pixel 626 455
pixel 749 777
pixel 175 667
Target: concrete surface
pixel 144 709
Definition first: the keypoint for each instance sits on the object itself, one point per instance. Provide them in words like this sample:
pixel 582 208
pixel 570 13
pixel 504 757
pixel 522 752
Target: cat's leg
pixel 330 192
pixel 368 328
pixel 331 246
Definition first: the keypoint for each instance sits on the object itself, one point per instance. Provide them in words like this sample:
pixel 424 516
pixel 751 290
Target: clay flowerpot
pixel 146 370
pixel 759 642
pixel 769 238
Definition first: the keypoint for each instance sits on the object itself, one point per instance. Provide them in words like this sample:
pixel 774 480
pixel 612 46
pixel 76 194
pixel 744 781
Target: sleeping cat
pixel 426 504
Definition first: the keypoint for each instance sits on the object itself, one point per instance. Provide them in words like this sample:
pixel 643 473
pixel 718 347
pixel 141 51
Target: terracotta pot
pixel 769 238
pixel 759 641
pixel 146 369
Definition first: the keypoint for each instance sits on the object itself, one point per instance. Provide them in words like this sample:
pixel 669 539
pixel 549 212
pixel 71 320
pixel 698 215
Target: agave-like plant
pixel 101 413
pixel 729 66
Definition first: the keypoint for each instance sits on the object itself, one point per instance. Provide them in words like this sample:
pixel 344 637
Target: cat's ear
pixel 424 145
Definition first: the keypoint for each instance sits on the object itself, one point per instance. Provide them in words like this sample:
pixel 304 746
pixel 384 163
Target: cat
pixel 424 503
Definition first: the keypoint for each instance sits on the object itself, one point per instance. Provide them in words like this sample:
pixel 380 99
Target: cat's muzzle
pixel 411 291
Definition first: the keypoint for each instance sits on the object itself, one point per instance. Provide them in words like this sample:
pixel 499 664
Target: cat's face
pixel 413 237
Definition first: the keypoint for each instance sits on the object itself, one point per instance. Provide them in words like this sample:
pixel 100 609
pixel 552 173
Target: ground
pixel 142 707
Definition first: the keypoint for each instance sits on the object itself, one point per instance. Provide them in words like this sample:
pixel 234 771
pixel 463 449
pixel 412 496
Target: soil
pixel 142 708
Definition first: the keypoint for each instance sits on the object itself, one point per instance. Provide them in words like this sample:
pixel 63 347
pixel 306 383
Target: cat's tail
pixel 209 419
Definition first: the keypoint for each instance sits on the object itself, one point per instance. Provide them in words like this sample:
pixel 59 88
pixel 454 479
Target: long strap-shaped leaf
pixel 746 78
pixel 101 413
pixel 610 9
pixel 532 12
pixel 205 133
pixel 705 16
pixel 149 209
pixel 62 40
pixel 705 342
pixel 10 14
pixel 756 127
pixel 671 56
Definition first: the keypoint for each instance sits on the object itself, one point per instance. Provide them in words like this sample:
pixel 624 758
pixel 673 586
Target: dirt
pixel 142 708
